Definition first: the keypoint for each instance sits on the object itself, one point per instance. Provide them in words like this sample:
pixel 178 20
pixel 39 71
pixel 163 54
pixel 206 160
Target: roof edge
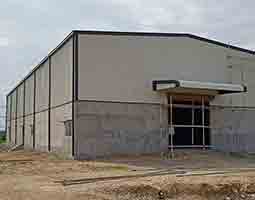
pixel 164 34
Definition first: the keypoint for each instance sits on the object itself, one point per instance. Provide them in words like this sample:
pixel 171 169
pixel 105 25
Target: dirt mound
pixel 220 191
pixel 231 191
pixel 136 191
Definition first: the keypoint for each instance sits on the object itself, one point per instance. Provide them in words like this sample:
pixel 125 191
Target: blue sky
pixel 30 29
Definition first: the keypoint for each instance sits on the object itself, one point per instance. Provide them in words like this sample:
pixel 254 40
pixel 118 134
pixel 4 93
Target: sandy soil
pixel 32 175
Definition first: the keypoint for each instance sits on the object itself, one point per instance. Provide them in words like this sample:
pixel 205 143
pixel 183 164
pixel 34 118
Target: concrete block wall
pixel 28 133
pixel 59 141
pixel 13 131
pixel 8 133
pixel 233 129
pixel 19 139
pixel 107 128
pixel 41 131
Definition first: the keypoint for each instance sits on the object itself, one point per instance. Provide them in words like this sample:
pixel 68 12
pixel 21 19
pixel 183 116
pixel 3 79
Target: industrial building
pixel 105 93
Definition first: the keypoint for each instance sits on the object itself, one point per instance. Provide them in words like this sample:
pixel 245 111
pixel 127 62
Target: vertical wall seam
pixel 34 110
pixel 10 136
pixel 6 117
pixel 73 89
pixel 76 85
pixel 76 67
pixel 49 107
pixel 16 112
pixel 24 113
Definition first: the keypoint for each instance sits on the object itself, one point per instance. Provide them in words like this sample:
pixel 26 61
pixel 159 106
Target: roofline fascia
pixel 162 34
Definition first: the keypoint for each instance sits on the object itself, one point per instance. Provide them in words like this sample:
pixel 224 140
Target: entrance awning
pixel 197 87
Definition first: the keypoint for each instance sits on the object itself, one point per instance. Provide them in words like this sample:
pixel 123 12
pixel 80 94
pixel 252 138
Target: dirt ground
pixel 192 174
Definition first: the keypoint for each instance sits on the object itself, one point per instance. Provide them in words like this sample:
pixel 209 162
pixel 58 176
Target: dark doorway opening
pixel 190 121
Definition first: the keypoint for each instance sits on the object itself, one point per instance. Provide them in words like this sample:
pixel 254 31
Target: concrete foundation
pixel 106 128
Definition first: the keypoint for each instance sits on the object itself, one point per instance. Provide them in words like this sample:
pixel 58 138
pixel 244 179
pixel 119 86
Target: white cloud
pixel 4 41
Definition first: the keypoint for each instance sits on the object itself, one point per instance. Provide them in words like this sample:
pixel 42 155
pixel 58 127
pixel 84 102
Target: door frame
pixel 204 105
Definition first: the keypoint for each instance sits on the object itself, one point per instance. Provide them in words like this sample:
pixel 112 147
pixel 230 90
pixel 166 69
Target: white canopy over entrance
pixel 189 120
pixel 197 87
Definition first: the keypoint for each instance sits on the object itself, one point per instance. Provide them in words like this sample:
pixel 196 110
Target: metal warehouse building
pixel 102 93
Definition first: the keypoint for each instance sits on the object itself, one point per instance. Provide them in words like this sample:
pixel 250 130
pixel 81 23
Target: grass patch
pixel 2 139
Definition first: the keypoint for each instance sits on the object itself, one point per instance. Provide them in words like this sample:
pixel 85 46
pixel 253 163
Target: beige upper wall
pixel 29 95
pixel 61 75
pixel 248 75
pixel 20 103
pixel 242 71
pixel 14 104
pixel 9 108
pixel 121 68
pixel 42 87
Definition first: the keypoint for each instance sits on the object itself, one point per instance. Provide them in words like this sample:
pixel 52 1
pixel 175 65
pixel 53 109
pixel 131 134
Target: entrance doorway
pixel 188 119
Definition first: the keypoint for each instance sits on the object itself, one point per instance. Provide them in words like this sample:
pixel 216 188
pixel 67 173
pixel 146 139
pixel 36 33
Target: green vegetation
pixel 2 139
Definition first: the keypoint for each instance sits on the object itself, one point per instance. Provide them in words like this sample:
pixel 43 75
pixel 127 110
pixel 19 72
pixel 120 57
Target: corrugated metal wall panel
pixel 42 88
pixel 8 108
pixel 61 75
pixel 29 95
pixel 20 101
pixel 14 105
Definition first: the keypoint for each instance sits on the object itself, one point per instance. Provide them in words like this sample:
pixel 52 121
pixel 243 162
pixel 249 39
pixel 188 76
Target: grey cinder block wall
pixel 92 95
pixel 233 129
pixel 112 128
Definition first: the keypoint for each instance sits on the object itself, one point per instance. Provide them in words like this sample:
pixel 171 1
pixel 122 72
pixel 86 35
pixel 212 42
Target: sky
pixel 30 29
